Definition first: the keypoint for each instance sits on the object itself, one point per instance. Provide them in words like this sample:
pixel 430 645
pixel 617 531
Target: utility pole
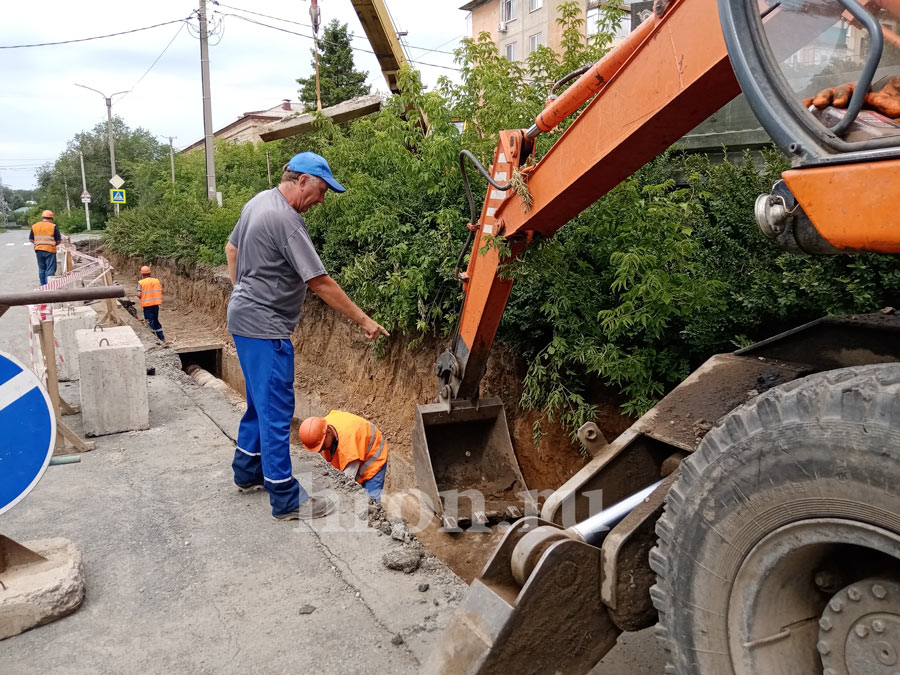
pixel 314 16
pixel 66 186
pixel 207 107
pixel 2 203
pixel 109 130
pixel 268 168
pixel 87 211
pixel 172 159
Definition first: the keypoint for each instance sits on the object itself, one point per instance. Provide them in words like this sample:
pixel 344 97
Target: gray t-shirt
pixel 275 259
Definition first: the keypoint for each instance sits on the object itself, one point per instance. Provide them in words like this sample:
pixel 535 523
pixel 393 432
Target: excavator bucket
pixel 465 464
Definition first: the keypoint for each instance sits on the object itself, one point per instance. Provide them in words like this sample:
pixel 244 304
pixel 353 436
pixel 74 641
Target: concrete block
pixel 66 321
pixel 113 381
pixel 41 591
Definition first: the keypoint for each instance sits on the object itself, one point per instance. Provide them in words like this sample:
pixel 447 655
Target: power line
pixel 437 49
pixel 96 37
pixel 177 33
pixel 306 25
pixel 310 37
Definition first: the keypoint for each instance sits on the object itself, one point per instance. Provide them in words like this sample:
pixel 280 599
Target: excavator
pixel 752 515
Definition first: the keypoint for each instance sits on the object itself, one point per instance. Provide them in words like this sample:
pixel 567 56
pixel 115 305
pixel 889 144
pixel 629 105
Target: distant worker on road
pixel 272 261
pixel 45 236
pixel 351 444
pixel 150 293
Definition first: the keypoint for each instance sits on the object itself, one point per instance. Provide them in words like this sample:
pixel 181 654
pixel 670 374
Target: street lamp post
pixel 109 130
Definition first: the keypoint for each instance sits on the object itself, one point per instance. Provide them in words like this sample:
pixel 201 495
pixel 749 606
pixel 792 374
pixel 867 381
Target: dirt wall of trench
pixel 336 368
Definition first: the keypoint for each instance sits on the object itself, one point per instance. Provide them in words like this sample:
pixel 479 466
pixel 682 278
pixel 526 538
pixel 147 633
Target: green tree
pixel 132 148
pixel 14 199
pixel 338 79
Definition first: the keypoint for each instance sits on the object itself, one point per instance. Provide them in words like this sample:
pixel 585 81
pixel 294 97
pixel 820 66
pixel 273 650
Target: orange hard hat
pixel 145 269
pixel 47 214
pixel 312 433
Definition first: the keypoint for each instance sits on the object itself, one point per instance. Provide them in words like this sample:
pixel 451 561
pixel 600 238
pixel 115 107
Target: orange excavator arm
pixel 660 83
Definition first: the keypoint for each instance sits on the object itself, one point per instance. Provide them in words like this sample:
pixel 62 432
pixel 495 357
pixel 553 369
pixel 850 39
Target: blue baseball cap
pixel 314 165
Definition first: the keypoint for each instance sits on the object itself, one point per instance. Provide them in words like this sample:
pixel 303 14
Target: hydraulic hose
pixel 568 78
pixel 473 215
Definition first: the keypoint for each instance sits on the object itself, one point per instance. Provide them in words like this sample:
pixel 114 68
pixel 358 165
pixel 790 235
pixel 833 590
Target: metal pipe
pixel 65 459
pixel 62 295
pixel 593 530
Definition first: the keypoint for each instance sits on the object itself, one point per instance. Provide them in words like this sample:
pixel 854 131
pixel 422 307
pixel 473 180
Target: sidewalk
pixel 186 575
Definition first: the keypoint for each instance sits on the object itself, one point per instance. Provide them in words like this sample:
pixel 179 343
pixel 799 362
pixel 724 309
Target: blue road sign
pixel 117 196
pixel 27 431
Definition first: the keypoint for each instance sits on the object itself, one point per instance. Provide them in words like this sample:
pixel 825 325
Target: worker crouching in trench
pixel 350 444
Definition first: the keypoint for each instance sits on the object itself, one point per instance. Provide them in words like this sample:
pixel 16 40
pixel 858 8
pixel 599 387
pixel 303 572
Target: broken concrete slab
pixel 404 560
pixel 113 381
pixel 39 592
pixel 292 125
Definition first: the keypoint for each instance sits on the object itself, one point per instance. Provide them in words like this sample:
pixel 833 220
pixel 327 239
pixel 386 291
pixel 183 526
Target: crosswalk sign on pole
pixel 28 434
pixel 117 196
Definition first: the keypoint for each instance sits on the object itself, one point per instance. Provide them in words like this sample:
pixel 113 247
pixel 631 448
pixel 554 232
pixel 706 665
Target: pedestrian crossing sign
pixel 117 196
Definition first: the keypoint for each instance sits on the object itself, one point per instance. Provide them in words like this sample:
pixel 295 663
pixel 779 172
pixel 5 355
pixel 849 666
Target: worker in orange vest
pixel 351 444
pixel 150 293
pixel 45 236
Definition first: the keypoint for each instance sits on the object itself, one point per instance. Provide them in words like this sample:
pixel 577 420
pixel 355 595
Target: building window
pixel 507 10
pixel 511 52
pixel 535 41
pixel 534 5
pixel 592 24
pixel 595 20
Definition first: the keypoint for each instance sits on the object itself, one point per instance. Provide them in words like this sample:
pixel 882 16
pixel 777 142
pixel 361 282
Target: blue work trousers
pixel 263 454
pixel 46 265
pixel 151 314
pixel 375 485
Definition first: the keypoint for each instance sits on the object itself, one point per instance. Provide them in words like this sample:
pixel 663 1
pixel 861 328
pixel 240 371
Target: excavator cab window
pixel 818 74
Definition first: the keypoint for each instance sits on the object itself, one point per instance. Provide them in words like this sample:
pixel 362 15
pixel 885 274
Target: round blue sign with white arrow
pixel 27 431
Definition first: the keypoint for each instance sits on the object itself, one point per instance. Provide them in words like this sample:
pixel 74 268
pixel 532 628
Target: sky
pixel 252 67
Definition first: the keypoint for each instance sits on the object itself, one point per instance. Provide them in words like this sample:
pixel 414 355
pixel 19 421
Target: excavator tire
pixel 781 536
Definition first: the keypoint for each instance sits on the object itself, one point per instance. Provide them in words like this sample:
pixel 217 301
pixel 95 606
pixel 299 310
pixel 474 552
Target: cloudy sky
pixel 252 67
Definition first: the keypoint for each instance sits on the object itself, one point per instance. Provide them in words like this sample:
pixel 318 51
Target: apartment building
pixel 518 27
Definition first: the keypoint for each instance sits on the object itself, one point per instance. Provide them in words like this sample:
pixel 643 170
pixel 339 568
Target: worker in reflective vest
pixel 150 293
pixel 351 444
pixel 45 236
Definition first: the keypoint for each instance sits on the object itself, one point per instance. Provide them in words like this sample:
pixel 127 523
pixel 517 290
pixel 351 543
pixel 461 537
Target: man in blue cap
pixel 271 261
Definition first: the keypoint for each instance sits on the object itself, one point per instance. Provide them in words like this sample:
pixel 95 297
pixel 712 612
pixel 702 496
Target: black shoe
pixel 250 487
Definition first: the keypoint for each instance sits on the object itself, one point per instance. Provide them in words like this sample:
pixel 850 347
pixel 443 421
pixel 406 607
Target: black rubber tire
pixel 835 433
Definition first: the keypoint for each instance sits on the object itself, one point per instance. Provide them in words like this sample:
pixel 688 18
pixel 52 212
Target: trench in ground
pixel 336 369
pixel 207 357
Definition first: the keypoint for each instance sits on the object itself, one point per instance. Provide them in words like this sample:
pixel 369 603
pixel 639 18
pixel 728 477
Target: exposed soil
pixel 336 368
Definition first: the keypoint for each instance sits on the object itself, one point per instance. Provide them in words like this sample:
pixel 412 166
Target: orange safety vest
pixel 358 439
pixel 43 236
pixel 151 292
